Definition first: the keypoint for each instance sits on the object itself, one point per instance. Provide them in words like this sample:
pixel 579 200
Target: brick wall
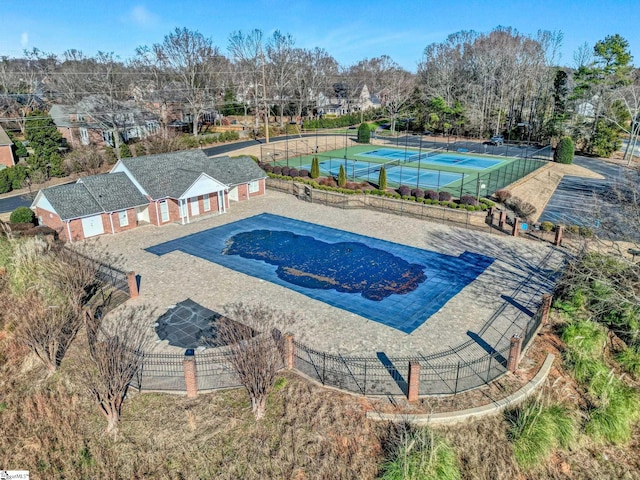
pixel 6 156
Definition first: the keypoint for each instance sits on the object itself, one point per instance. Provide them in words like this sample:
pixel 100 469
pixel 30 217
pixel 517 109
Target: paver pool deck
pixel 489 310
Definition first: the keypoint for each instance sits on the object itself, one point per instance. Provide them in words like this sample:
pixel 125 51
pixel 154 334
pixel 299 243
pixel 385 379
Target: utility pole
pixel 264 95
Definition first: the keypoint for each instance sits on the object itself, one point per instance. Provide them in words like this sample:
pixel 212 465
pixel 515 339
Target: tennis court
pixel 471 162
pixel 396 173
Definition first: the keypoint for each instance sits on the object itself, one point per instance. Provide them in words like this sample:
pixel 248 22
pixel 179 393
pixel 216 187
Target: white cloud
pixel 24 39
pixel 142 17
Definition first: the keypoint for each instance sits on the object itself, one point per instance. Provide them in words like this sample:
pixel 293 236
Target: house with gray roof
pixel 153 189
pixel 94 121
pixel 95 205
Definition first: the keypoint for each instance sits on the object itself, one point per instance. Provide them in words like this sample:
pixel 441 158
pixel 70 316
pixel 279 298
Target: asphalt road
pixel 9 204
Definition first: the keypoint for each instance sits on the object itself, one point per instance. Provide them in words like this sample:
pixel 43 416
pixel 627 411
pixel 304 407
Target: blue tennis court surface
pixel 395 285
pixel 396 173
pixel 435 158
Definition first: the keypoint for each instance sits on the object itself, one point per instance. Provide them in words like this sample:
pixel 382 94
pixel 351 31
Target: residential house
pixel 94 120
pixel 342 106
pixel 7 158
pixel 174 187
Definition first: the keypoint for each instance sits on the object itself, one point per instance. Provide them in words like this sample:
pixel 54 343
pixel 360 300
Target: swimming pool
pixel 395 285
pixel 471 162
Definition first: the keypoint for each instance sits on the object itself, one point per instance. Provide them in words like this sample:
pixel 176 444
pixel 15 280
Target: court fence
pixel 470 365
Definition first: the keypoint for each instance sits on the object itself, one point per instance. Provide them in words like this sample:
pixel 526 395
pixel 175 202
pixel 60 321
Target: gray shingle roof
pixel 171 174
pixel 93 195
pixel 114 191
pixel 72 200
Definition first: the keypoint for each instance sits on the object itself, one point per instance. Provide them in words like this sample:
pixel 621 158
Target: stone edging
pixel 471 413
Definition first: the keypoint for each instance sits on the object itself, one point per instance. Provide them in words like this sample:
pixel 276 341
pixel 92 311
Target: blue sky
pixel 349 30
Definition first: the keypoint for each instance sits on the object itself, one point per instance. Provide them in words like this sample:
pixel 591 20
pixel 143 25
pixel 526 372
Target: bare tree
pixel 85 159
pixel 48 312
pixel 47 330
pixel 116 347
pixel 246 52
pixel 280 54
pixel 255 348
pixel 194 63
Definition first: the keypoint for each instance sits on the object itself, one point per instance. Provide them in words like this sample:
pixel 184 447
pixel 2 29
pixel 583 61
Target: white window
pixel 123 218
pixel 207 202
pixel 164 211
pixel 84 136
pixel 152 126
pixel 254 186
pixel 80 117
pixel 107 136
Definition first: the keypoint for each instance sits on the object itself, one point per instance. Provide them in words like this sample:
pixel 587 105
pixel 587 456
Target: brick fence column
pixel 413 386
pixel 132 282
pixel 289 350
pixel 559 231
pixel 503 219
pixel 547 298
pixel 516 227
pixel 190 374
pixel 514 353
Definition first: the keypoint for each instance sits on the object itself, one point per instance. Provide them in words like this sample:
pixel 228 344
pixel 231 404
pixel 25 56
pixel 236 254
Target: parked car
pixel 496 140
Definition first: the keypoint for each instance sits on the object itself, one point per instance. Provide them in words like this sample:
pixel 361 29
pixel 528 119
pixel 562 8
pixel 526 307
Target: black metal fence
pixel 474 220
pixel 450 371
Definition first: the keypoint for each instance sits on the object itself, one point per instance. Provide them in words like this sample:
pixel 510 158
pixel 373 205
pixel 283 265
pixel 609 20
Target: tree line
pixel 475 84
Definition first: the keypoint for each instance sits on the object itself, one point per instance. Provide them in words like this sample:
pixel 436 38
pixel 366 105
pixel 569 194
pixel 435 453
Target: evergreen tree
pixel 5 183
pixel 364 134
pixel 564 151
pixel 342 177
pixel 315 168
pixel 382 179
pixel 125 151
pixel 45 140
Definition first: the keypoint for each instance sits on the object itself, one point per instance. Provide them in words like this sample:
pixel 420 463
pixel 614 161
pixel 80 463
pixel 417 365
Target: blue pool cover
pixel 393 284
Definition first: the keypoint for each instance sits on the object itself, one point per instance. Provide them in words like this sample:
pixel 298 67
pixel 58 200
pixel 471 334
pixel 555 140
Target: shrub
pixel 293 172
pixel 304 173
pixel 364 133
pixel 268 168
pixel 444 196
pixel 468 200
pixel 523 209
pixel 277 170
pixel 22 215
pixel 5 183
pixel 382 179
pixel 417 192
pixel 315 167
pixel 404 191
pixel 342 177
pixel 502 195
pixel 285 171
pixel 418 453
pixel 564 151
pixel 431 195
pixel 125 151
pixel 535 430
pixel 546 226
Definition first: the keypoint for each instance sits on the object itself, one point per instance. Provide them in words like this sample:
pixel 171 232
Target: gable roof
pixel 104 193
pixel 4 138
pixel 171 174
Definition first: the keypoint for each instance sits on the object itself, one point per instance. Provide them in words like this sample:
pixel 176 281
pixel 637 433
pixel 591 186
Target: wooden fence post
pixel 289 349
pixel 516 227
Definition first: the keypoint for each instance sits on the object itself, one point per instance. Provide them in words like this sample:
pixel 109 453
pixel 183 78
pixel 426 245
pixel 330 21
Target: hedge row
pixel 484 204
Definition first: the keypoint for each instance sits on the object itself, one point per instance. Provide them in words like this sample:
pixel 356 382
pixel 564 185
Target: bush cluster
pixel 521 208
pixel 502 195
pixel 22 215
pixel 469 200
